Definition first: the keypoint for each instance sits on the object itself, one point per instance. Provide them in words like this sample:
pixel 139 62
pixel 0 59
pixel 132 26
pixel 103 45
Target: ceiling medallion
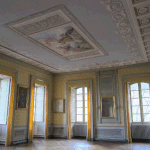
pixel 58 31
pixel 119 15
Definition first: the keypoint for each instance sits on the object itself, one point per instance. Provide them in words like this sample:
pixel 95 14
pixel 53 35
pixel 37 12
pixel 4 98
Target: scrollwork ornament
pixel 123 31
pixel 122 24
pixel 115 7
pixel 117 17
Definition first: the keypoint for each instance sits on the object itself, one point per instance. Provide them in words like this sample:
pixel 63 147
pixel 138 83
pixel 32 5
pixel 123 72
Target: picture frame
pixel 108 109
pixel 59 106
pixel 22 96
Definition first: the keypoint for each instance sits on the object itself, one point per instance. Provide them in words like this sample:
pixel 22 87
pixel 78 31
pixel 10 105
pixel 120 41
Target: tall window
pixel 39 100
pixel 140 102
pixel 4 99
pixel 81 105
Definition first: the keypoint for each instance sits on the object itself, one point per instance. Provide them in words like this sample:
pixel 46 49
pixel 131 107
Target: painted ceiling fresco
pixel 63 40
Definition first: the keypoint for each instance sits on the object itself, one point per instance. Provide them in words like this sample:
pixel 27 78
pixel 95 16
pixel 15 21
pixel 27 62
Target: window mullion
pixel 140 99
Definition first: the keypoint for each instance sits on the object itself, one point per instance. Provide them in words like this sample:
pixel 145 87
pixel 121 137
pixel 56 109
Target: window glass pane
pixel 79 91
pixel 85 97
pixel 146 101
pixel 85 89
pixel 134 94
pixel 145 93
pixel 86 110
pixel 146 109
pixel 85 103
pixel 79 97
pixel 79 103
pixel 39 103
pixel 144 86
pixel 4 99
pixel 86 118
pixel 136 109
pixel 3 116
pixel 79 110
pixel 80 118
pixel 136 117
pixel 134 86
pixel 135 102
pixel 146 117
pixel 39 115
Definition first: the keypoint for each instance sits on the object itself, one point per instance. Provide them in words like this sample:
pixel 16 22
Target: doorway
pixel 39 111
pixel 79 112
pixel 139 110
pixel 77 84
pixel 5 82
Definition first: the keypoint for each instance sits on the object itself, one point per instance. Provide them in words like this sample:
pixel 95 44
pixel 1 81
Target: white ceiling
pixel 97 19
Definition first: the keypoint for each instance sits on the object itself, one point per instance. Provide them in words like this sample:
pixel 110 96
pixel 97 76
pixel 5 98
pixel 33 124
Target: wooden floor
pixel 59 144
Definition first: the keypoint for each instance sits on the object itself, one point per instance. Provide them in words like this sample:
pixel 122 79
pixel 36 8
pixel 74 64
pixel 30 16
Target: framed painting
pixel 22 96
pixel 59 106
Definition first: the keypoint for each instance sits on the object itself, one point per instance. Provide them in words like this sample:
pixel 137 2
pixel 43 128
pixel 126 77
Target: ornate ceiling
pixel 57 30
pixel 64 40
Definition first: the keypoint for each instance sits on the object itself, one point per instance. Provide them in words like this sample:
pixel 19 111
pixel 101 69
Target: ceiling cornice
pixel 103 69
pixel 26 57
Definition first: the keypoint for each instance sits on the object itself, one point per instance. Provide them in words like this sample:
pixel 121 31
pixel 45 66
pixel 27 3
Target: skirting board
pixel 19 142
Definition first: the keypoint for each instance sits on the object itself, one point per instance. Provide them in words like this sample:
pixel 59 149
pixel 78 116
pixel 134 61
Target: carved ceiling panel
pixel 58 31
pixel 142 17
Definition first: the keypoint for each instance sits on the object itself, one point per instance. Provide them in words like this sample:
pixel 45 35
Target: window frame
pixel 44 99
pixel 83 96
pixel 140 102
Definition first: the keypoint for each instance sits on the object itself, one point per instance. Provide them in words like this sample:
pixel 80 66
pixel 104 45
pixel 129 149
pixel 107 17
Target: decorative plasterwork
pixel 109 64
pixel 141 15
pixel 58 31
pixel 24 56
pixel 137 1
pixel 119 15
pixel 30 59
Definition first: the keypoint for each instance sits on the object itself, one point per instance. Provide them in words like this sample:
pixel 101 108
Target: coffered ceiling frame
pixel 129 6
pixel 69 18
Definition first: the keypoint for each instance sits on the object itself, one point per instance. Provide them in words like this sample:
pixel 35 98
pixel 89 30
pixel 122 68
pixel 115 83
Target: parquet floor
pixel 75 144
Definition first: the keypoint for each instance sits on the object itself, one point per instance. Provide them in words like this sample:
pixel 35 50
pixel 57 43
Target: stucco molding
pixel 25 56
pixel 119 15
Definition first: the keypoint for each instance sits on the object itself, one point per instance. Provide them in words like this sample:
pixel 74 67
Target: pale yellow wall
pixel 60 92
pixel 21 116
pixel 60 89
pixel 126 72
